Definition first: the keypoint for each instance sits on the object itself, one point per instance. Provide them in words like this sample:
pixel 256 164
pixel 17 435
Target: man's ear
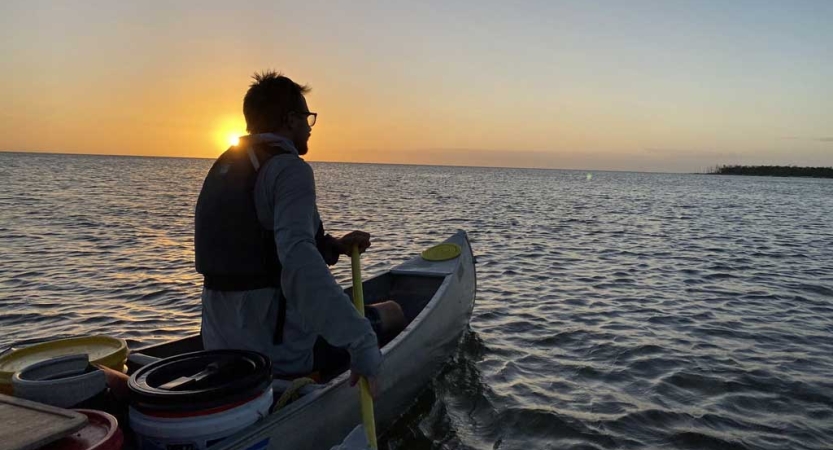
pixel 285 124
pixel 288 122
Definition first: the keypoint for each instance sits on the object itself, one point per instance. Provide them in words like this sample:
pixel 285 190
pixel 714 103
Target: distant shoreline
pixel 774 171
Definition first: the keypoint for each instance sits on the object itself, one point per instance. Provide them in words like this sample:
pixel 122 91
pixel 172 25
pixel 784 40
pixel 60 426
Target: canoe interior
pixel 411 292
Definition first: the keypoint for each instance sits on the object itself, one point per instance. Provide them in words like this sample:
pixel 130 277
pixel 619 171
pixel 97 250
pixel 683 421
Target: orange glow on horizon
pixel 227 132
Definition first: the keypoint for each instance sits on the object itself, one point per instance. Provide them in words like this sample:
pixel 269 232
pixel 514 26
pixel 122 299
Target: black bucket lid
pixel 201 380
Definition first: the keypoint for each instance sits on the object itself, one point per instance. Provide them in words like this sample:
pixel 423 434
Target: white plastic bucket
pixel 61 381
pixel 196 432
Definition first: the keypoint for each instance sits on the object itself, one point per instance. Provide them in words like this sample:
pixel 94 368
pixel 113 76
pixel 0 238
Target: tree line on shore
pixel 774 171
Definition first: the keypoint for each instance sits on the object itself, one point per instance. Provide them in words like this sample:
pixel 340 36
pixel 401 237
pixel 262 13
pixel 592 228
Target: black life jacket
pixel 232 250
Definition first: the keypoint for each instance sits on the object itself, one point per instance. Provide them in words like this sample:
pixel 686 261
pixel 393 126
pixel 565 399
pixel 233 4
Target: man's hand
pixel 353 238
pixel 372 382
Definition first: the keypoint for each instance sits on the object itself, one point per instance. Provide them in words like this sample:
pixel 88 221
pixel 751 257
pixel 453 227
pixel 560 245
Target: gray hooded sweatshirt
pixel 316 304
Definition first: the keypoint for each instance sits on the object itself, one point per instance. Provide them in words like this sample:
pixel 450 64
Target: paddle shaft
pixel 368 418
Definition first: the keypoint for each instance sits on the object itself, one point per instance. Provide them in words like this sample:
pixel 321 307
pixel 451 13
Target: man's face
pixel 300 128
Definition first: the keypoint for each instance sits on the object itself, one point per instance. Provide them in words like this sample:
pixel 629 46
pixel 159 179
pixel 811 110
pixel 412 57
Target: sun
pixel 227 131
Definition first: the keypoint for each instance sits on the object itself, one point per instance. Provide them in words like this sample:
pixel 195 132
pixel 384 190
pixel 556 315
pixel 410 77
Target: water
pixel 622 310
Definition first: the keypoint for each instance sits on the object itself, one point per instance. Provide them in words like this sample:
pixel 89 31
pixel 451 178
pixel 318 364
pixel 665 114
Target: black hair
pixel 269 100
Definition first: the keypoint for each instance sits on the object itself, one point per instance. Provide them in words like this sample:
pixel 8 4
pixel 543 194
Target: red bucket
pixel 101 433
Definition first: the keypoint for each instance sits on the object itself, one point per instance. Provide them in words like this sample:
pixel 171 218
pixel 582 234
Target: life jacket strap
pixel 277 339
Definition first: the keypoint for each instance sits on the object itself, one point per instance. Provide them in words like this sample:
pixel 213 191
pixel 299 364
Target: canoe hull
pixel 322 419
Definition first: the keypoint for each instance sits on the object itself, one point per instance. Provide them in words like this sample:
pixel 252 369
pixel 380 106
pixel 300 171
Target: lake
pixel 614 310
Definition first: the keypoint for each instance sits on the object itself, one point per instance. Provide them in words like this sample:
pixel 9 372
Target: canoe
pixel 437 298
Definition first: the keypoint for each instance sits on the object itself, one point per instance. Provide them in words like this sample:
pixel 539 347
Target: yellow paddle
pixel 367 401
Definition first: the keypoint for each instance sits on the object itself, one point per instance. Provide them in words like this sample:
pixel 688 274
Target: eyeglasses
pixel 311 117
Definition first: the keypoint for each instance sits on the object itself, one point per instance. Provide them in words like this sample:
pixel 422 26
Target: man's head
pixel 276 104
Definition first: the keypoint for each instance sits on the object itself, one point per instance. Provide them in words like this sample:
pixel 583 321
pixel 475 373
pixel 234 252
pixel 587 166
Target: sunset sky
pixel 618 85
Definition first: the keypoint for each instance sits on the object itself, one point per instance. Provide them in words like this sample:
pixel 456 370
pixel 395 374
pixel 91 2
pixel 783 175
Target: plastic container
pixel 196 399
pixel 101 433
pixel 104 350
pixel 64 382
pixel 196 431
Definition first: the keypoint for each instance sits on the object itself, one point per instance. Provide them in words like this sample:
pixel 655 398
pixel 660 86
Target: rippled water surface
pixel 618 310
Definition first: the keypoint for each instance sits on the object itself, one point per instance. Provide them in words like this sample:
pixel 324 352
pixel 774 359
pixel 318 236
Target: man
pixel 261 247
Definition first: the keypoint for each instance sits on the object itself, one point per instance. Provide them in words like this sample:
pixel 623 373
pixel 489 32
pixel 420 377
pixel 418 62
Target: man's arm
pixel 305 279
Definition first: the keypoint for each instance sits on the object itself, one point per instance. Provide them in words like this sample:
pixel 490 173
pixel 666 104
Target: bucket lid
pixel 197 381
pixel 55 369
pixel 441 252
pixel 104 350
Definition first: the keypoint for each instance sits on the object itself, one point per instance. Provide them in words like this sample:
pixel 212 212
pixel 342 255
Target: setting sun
pixel 227 131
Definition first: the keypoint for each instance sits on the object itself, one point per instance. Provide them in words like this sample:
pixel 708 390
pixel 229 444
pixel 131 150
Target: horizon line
pixel 352 162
